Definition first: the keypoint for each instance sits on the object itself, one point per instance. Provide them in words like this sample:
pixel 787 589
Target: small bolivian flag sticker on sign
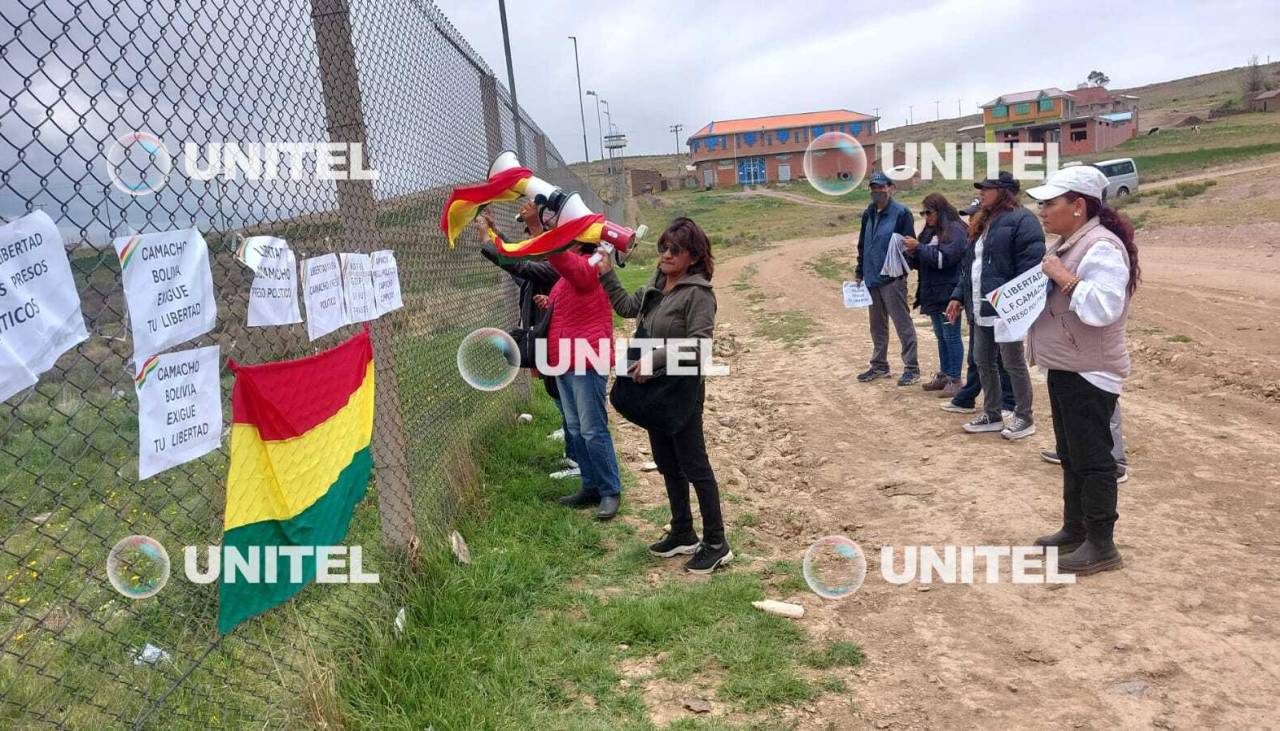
pixel 300 462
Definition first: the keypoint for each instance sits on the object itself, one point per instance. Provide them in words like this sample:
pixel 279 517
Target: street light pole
pixel 586 154
pixel 676 128
pixel 599 125
pixel 511 79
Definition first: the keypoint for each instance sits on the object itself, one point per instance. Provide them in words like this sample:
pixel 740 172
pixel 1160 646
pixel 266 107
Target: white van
pixel 1122 177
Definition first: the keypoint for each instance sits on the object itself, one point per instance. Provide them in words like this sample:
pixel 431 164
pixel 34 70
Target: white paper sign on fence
pixel 179 409
pixel 856 294
pixel 168 287
pixel 357 287
pixel 273 296
pixel 322 292
pixel 386 282
pixel 40 315
pixel 1018 303
pixel 254 249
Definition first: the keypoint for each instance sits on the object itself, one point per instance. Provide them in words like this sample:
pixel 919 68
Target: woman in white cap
pixel 1079 338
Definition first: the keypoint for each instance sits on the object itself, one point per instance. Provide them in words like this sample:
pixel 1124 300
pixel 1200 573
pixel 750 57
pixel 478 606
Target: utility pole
pixel 911 116
pixel 676 128
pixel 958 112
pixel 937 110
pixel 586 154
pixel 511 80
pixel 599 125
pixel 609 118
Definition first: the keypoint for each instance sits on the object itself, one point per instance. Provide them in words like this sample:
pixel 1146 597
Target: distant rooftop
pixel 782 121
pixel 1052 92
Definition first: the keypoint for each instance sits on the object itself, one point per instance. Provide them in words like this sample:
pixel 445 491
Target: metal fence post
pixel 344 112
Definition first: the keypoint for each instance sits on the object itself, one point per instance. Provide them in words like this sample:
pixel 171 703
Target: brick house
pixel 1081 122
pixel 1267 101
pixel 771 149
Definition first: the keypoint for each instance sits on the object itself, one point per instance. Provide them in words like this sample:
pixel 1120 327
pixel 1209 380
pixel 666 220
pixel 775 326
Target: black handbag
pixel 662 404
pixel 527 337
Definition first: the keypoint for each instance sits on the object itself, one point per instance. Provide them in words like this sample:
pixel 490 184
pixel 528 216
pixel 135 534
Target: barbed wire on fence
pixel 394 75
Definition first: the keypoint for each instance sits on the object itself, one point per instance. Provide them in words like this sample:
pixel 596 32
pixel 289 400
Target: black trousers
pixel 682 459
pixel 1082 427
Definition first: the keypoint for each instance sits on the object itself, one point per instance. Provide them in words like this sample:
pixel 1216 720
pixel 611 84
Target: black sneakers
pixel 872 374
pixel 708 558
pixel 673 545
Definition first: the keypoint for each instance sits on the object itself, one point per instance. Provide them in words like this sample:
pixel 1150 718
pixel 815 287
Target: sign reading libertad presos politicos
pixel 40 316
pixel 179 408
pixel 169 289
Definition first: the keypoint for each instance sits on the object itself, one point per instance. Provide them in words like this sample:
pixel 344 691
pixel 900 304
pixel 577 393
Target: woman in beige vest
pixel 1079 339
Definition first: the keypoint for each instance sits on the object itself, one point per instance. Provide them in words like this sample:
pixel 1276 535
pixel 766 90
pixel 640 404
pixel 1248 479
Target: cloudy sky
pixel 662 62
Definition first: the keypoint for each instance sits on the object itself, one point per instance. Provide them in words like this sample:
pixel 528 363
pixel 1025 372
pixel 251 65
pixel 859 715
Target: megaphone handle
pixel 604 249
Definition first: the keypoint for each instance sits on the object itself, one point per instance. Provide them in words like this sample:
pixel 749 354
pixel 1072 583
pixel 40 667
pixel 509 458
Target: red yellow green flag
pixel 465 203
pixel 300 462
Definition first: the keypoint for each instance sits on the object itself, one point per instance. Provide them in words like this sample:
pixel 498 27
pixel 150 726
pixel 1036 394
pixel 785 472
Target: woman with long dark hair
pixel 1005 241
pixel 679 303
pixel 1079 338
pixel 937 254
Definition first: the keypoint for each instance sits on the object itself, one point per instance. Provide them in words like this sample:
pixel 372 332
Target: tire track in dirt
pixel 1180 637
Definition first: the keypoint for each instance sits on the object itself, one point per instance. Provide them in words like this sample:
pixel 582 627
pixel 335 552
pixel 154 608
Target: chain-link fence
pixel 392 74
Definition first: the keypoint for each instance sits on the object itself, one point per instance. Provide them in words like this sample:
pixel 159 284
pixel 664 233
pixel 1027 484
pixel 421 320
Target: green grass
pixel 534 632
pixel 836 265
pixel 790 327
pixel 1179 339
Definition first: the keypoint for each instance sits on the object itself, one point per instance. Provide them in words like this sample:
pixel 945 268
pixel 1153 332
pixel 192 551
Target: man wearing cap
pixel 880 221
pixel 1079 339
pixel 1007 240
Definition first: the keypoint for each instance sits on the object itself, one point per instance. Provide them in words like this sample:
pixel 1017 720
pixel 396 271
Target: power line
pixel 676 129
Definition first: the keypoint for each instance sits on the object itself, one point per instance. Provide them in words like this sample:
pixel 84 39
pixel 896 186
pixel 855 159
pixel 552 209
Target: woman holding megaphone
pixel 678 303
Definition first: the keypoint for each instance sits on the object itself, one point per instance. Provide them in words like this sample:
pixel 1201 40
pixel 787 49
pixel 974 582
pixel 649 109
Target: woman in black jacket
pixel 1007 240
pixel 937 254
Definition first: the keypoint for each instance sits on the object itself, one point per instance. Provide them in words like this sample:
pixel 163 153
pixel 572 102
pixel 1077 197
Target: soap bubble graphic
pixel 834 567
pixel 138 567
pixel 488 359
pixel 834 163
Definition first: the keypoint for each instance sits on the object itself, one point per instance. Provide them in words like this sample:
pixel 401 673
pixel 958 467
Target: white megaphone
pixel 556 205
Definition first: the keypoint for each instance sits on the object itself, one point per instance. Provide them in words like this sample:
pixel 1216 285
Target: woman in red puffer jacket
pixel 582 315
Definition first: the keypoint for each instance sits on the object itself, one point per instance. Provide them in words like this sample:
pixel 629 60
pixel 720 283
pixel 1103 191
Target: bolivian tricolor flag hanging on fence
pixel 300 463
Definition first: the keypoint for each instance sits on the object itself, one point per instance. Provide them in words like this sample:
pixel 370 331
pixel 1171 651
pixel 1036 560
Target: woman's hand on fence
pixel 484 223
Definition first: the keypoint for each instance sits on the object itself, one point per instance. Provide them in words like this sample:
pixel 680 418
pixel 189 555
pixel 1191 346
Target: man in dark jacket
pixel 880 221
pixel 1010 241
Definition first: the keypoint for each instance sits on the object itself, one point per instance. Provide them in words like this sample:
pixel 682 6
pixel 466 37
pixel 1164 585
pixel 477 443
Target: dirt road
pixel 1186 635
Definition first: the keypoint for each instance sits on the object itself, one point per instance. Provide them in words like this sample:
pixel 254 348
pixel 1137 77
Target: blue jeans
pixel 587 431
pixel 967 396
pixel 564 426
pixel 950 344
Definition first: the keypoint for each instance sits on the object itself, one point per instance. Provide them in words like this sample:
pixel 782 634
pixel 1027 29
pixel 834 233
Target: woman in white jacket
pixel 1080 340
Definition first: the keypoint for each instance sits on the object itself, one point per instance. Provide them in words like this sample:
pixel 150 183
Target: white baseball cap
pixel 1082 179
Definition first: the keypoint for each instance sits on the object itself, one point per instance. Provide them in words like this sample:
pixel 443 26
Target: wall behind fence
pixel 392 74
